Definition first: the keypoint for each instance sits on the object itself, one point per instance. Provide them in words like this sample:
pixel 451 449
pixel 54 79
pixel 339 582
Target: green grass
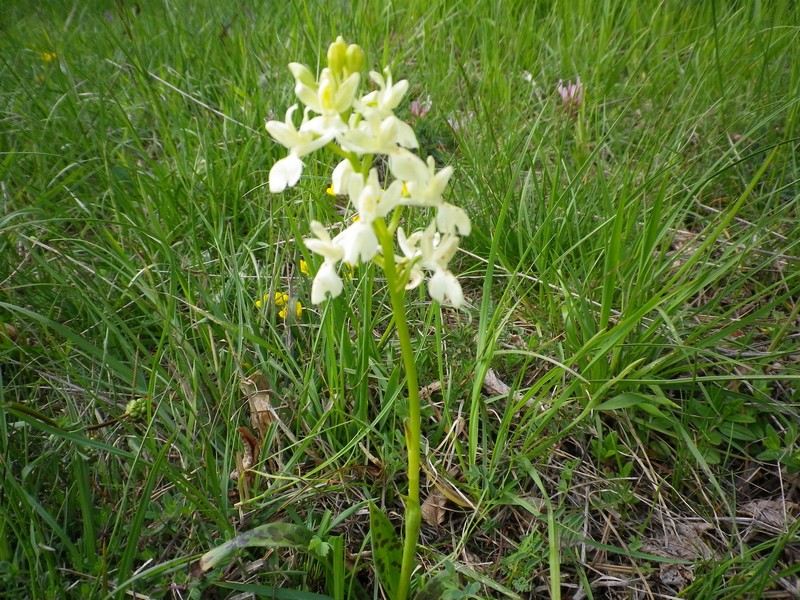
pixel 633 275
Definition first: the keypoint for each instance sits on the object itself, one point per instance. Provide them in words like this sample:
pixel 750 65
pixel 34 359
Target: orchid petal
pixel 285 173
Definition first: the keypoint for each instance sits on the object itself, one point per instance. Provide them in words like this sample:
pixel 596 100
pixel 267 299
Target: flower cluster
pixel 571 95
pixel 358 129
pixel 420 107
pixel 281 300
pixel 137 409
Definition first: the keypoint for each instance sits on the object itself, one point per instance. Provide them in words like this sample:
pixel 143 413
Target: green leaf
pixel 742 433
pixel 624 400
pixel 271 535
pixel 434 588
pixel 319 548
pixel 771 439
pixel 740 418
pixel 653 411
pixel 386 550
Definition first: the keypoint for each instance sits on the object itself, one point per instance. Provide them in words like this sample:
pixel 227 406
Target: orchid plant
pixel 357 129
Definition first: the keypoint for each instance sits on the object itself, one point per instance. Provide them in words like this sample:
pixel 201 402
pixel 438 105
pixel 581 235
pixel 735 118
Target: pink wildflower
pixel 571 95
pixel 459 122
pixel 420 108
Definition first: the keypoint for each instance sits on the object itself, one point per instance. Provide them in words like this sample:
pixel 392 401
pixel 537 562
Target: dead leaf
pixel 9 332
pixel 682 542
pixel 445 487
pixel 371 457
pixel 774 514
pixel 493 385
pixel 251 448
pixel 432 508
pixel 258 400
pixel 429 390
pixel 248 458
pixel 677 576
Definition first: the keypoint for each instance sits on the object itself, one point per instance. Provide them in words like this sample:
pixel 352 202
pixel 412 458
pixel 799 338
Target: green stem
pixel 412 423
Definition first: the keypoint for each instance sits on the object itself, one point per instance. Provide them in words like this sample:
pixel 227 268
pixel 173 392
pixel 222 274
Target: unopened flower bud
pixel 303 75
pixel 336 55
pixel 136 409
pixel 355 58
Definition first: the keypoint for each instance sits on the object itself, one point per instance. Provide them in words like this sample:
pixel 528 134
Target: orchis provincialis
pixel 364 127
pixel 358 129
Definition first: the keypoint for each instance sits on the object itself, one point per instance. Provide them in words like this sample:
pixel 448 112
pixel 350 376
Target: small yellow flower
pixel 356 218
pixel 330 191
pixel 405 190
pixel 49 56
pixel 298 310
pixel 281 299
pixel 259 303
pixel 304 268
